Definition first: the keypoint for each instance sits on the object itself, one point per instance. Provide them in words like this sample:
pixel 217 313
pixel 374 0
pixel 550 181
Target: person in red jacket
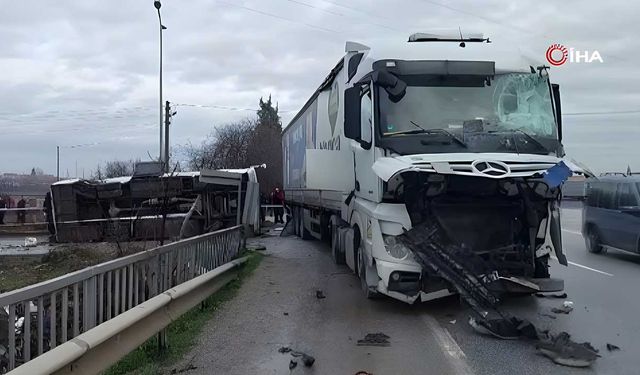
pixel 277 197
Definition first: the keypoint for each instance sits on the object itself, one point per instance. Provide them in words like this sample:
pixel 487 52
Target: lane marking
pixel 449 345
pixel 572 232
pixel 585 267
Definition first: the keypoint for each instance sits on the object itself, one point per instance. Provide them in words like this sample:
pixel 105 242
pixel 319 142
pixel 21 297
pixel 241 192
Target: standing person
pixel 278 198
pixel 21 213
pixel 3 204
pixel 48 212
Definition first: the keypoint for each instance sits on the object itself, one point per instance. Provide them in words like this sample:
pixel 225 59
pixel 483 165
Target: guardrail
pixel 40 317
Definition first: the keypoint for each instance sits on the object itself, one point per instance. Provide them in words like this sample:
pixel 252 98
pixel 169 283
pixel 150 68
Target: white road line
pixel 449 345
pixel 572 231
pixel 585 267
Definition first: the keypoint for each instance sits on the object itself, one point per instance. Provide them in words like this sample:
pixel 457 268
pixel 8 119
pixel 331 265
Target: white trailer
pixel 455 136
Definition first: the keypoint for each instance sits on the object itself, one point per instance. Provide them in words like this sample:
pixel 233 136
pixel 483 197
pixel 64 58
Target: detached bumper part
pixel 525 285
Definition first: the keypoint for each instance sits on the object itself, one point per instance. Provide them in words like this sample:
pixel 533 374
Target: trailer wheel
pixel 336 253
pixel 369 292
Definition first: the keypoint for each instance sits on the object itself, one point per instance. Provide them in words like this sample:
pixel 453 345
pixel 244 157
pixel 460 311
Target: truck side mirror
pixel 352 113
pixel 555 88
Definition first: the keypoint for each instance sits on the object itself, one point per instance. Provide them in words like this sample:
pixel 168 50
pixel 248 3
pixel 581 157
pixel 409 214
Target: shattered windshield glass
pixel 512 102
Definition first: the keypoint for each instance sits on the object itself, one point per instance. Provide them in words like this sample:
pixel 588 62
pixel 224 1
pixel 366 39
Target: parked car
pixel 611 213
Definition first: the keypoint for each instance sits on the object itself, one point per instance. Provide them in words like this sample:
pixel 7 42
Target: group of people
pixel 7 202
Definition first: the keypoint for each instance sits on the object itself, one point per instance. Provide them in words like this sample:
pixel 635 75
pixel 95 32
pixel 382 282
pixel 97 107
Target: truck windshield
pixel 513 102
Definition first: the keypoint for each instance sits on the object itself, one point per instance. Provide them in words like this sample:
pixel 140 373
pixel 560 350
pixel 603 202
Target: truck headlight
pixel 395 248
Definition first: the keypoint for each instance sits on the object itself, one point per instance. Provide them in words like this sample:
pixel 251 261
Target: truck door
pixel 367 182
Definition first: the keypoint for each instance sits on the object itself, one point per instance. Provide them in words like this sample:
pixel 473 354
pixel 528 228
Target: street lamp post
pixel 157 5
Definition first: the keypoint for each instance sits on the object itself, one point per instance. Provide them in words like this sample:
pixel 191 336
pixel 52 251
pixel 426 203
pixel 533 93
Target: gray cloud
pixel 78 72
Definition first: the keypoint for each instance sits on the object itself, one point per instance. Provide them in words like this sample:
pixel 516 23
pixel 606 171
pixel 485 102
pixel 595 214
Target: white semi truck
pixel 453 135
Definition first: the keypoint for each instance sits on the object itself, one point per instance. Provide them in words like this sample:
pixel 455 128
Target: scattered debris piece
pixel 307 359
pixel 285 313
pixel 611 347
pixel 505 328
pixel 188 367
pixel 556 295
pixel 284 349
pixel 257 247
pixel 30 241
pixel 374 339
pixel 567 307
pixel 452 321
pixel 562 350
pixel 364 373
pixel 548 315
pixel 320 294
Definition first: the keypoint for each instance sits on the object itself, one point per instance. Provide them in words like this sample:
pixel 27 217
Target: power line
pixel 602 113
pixel 279 17
pixel 316 7
pixel 223 107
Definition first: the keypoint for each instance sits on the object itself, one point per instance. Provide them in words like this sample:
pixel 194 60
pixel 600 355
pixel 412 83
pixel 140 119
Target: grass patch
pixel 182 334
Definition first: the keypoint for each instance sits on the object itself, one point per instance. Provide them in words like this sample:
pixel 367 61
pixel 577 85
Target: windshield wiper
pixel 451 136
pixel 529 137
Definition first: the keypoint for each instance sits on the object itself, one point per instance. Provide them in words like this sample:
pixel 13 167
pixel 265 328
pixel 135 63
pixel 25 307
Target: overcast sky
pixel 85 72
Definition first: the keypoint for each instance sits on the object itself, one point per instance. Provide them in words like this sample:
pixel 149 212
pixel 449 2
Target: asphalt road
pixel 278 307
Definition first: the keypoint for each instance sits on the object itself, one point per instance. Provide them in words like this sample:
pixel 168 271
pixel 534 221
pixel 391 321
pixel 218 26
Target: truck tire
pixel 369 292
pixel 336 253
pixel 594 245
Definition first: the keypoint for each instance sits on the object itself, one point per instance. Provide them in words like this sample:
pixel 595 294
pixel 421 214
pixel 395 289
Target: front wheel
pixel 368 291
pixel 593 241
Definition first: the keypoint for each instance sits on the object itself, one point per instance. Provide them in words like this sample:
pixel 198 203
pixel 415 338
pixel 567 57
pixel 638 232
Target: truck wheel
pixel 336 253
pixel 369 292
pixel 593 241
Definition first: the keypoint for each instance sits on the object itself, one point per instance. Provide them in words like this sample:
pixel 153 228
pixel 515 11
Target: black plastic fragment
pixel 611 347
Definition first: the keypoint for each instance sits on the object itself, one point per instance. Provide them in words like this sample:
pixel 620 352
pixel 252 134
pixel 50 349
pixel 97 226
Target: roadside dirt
pixel 17 272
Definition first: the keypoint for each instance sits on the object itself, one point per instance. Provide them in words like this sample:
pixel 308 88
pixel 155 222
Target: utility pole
pixel 167 121
pixel 157 5
pixel 58 162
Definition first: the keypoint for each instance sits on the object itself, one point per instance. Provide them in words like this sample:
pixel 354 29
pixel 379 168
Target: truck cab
pixel 450 143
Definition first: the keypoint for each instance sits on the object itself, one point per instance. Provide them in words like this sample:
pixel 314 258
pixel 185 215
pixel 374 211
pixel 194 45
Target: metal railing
pixel 39 317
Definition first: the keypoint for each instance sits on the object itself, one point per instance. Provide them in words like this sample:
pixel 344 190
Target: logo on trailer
pixel 490 168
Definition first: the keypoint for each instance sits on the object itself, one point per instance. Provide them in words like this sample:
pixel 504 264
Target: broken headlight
pixel 395 248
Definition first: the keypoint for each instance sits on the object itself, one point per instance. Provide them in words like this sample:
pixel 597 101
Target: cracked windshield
pixel 242 187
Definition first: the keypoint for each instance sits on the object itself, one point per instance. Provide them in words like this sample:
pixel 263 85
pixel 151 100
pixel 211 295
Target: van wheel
pixel 593 241
pixel 336 253
pixel 369 292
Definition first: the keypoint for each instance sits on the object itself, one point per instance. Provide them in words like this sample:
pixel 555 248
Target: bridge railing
pixel 39 317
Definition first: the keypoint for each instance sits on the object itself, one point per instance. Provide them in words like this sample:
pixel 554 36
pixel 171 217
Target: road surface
pixel 277 306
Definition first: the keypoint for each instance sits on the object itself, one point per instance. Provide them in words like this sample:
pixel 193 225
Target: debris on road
pixel 320 294
pixel 452 321
pixel 285 313
pixel 256 247
pixel 548 315
pixel 562 350
pixel 506 329
pixel 307 359
pixel 567 307
pixel 552 295
pixel 611 347
pixel 375 339
pixel 364 373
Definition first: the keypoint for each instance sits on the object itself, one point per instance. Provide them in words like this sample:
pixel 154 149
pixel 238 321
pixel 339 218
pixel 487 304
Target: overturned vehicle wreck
pixel 153 205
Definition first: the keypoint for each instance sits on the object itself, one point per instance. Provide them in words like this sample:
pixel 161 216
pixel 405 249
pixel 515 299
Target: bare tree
pixel 115 168
pixel 226 147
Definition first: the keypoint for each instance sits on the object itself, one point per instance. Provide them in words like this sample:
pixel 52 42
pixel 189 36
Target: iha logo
pixel 557 54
